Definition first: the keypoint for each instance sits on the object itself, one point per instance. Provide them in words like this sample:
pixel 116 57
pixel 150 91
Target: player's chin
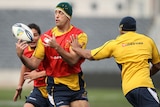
pixel 59 25
pixel 32 45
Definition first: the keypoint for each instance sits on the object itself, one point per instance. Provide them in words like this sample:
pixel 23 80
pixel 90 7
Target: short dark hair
pixel 35 26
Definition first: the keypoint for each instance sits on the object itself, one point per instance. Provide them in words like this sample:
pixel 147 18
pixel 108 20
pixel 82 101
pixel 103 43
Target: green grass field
pixel 98 97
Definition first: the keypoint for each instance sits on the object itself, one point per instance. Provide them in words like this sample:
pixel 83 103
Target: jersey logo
pixel 67 45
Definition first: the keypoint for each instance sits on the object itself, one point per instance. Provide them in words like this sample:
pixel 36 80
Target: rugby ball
pixel 22 31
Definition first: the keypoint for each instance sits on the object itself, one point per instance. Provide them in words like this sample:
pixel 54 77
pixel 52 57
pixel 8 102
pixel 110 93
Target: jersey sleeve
pixel 104 51
pixel 39 51
pixel 83 39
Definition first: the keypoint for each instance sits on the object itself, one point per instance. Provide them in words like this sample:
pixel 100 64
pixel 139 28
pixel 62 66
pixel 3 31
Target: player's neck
pixel 123 32
pixel 64 28
pixel 32 48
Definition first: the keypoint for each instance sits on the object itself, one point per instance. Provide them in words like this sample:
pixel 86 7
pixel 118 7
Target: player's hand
pixel 74 42
pixel 20 46
pixel 31 75
pixel 17 94
pixel 51 41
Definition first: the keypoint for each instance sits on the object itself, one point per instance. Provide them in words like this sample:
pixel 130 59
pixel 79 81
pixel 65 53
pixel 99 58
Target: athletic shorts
pixel 60 94
pixel 37 99
pixel 143 97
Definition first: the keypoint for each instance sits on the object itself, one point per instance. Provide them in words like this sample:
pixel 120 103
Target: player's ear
pixel 120 28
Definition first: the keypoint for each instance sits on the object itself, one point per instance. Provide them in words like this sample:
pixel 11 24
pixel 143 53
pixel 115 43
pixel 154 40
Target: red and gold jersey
pixel 57 67
pixel 54 64
pixel 39 81
pixel 132 52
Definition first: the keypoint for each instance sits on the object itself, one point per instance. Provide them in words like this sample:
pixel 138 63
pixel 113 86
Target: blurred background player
pixel 133 53
pixel 38 96
pixel 63 66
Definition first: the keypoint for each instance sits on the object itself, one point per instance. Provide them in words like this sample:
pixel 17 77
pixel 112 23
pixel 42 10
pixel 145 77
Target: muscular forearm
pixel 21 81
pixel 83 53
pixel 70 57
pixel 40 74
pixel 29 62
pixel 21 78
pixel 34 74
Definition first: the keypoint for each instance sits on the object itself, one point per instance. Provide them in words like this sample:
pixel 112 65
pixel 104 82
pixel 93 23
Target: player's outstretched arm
pixel 32 62
pixel 85 53
pixel 20 84
pixel 34 75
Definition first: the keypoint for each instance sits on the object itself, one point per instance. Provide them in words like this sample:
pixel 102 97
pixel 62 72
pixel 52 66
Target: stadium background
pixel 98 18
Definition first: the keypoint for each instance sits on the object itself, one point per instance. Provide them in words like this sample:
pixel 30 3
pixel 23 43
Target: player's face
pixel 35 39
pixel 60 18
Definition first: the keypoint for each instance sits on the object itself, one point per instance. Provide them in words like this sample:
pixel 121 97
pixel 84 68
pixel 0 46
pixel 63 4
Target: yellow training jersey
pixel 132 52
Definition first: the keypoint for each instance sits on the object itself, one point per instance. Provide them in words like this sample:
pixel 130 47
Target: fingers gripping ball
pixel 22 31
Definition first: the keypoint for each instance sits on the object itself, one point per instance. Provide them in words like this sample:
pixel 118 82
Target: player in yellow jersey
pixel 133 53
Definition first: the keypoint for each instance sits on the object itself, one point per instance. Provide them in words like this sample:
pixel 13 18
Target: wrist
pixel 57 47
pixel 20 56
pixel 19 88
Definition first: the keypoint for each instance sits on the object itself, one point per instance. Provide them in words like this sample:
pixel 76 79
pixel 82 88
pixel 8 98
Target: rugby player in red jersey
pixel 65 78
pixel 38 96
